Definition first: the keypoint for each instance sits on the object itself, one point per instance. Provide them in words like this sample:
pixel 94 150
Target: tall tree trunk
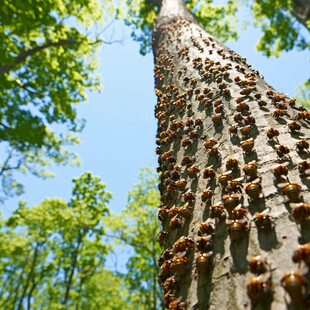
pixel 73 267
pixel 211 103
pixel 30 275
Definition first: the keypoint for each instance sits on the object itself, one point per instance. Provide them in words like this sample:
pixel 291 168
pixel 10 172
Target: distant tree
pixel 47 63
pixel 137 227
pixel 303 94
pixel 50 252
pixel 106 290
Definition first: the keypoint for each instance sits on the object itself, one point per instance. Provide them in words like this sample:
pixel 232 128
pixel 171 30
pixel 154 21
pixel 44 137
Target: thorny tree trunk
pixel 204 89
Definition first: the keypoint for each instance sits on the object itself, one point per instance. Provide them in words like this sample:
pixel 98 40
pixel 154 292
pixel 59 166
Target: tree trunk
pixel 73 267
pixel 30 275
pixel 211 103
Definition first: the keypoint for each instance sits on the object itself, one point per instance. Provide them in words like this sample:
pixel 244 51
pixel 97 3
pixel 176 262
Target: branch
pixel 74 263
pixel 112 42
pixel 6 168
pixel 6 162
pixel 7 127
pixel 23 55
pixel 30 275
pixel 134 244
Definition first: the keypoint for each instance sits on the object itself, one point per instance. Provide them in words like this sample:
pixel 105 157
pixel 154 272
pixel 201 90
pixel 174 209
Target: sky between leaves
pixel 119 137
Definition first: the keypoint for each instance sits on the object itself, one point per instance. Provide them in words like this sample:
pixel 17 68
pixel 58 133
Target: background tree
pixel 52 251
pixel 106 289
pixel 216 114
pixel 47 62
pixel 137 227
pixel 53 254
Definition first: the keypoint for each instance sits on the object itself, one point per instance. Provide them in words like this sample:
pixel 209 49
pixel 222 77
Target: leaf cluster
pixel 303 94
pixel 47 63
pixel 281 25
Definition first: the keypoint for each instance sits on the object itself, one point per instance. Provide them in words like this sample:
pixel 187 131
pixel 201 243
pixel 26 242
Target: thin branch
pixel 107 26
pixel 32 271
pixel 26 87
pixel 5 126
pixel 112 42
pixel 115 261
pixel 134 244
pixel 4 168
pixel 6 163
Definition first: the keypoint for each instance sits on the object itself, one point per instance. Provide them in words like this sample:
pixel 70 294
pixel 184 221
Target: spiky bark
pixel 193 73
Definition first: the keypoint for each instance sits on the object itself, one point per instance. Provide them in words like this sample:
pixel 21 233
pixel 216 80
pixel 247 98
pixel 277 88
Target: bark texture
pixel 204 89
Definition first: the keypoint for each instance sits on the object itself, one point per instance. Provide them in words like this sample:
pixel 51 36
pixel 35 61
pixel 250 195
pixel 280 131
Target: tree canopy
pixel 285 24
pixel 47 63
pixel 53 254
pixel 137 227
pixel 219 20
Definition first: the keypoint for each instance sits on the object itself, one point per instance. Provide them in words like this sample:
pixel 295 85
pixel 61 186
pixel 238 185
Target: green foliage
pixel 52 255
pixel 137 226
pixel 51 252
pixel 104 289
pixel 218 20
pixel 280 21
pixel 303 94
pixel 47 63
pixel 280 25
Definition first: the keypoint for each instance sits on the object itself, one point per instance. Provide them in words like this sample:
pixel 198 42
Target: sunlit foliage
pixel 47 63
pixel 51 252
pixel 137 227
pixel 217 19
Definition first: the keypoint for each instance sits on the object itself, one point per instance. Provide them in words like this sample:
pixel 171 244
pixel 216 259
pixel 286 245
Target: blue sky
pixel 119 137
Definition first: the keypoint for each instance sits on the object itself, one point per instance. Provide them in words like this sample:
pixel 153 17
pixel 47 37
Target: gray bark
pixel 224 286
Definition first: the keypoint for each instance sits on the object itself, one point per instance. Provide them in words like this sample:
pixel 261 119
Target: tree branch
pixel 23 55
pixel 5 166
pixel 5 126
pixel 74 263
pixel 133 244
pixel 30 275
